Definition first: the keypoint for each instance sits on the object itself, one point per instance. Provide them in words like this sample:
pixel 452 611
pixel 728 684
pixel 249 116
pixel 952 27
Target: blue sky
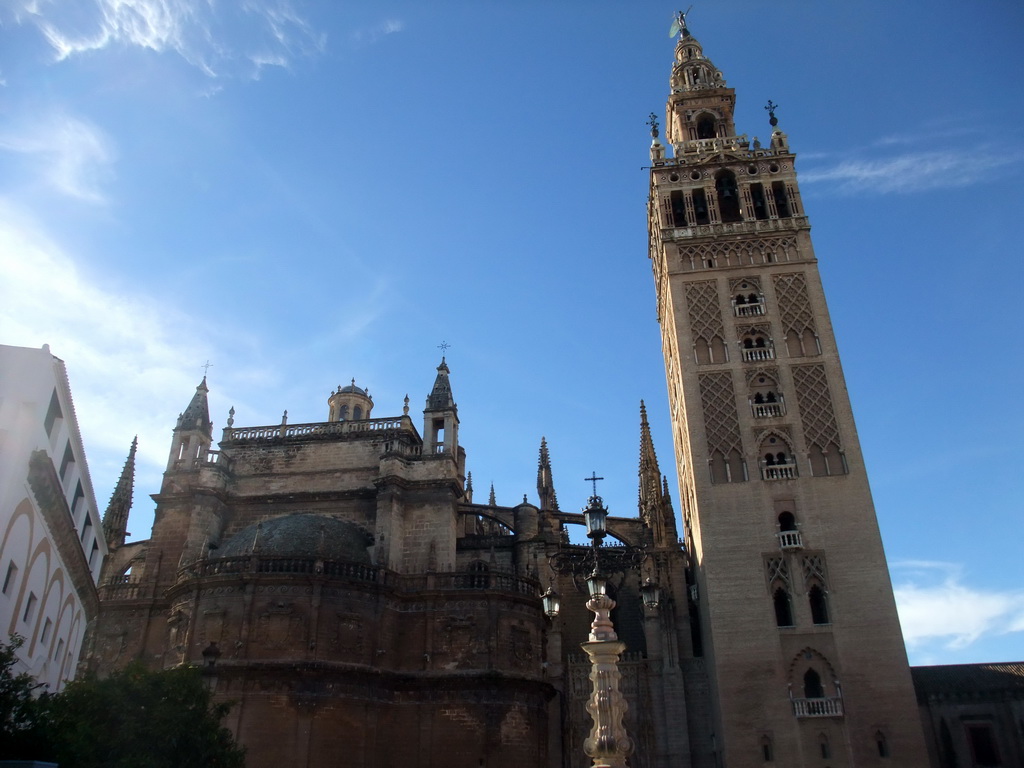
pixel 306 192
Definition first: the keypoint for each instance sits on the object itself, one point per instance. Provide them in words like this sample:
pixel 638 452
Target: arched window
pixel 357 413
pixel 343 413
pixel 819 605
pixel 769 460
pixel 758 199
pixel 767 749
pixel 728 196
pixel 781 200
pixel 770 398
pixel 783 608
pixel 826 749
pixel 700 208
pixel 883 746
pixel 780 458
pixel 758 398
pixel 787 522
pixel 706 127
pixel 812 685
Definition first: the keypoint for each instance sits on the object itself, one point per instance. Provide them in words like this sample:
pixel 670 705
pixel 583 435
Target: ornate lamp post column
pixel 608 745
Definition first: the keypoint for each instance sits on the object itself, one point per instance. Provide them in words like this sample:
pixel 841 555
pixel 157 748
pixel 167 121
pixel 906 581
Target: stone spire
pixel 193 433
pixel 197 415
pixel 115 519
pixel 492 501
pixel 650 473
pixel 469 488
pixel 441 418
pixel 440 397
pixel 654 502
pixel 545 485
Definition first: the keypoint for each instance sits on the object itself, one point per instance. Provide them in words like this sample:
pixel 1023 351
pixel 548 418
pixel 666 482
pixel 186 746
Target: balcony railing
pixel 316 430
pixel 779 471
pixel 311 566
pixel 830 707
pixel 755 354
pixel 748 310
pixel 767 410
pixel 790 540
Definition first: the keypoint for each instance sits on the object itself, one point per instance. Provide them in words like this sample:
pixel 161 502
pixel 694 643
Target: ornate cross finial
pixel 444 346
pixel 771 107
pixel 593 479
pixel 206 367
pixel 652 121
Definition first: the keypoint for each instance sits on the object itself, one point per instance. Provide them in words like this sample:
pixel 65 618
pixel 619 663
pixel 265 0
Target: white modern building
pixel 51 540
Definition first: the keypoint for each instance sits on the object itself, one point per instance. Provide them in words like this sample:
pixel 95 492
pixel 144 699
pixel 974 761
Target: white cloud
pixel 126 355
pixel 265 32
pixel 75 156
pixel 912 172
pixel 935 606
pixel 370 35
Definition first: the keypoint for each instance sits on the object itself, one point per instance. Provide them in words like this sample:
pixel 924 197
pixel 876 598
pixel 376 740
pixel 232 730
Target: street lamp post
pixel 608 745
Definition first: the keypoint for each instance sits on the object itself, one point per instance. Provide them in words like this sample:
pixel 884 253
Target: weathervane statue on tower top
pixel 679 23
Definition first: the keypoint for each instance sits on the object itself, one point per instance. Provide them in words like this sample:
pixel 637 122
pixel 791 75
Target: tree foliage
pixel 24 725
pixel 134 718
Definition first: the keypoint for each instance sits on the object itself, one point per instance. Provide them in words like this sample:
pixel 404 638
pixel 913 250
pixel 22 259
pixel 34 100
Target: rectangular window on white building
pixel 30 607
pixel 11 578
pixel 53 416
pixel 67 461
pixel 47 628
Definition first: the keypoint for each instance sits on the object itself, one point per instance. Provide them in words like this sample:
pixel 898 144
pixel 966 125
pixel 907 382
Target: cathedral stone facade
pixel 339 583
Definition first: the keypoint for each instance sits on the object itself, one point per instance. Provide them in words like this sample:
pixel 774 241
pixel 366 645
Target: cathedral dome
pixel 301 536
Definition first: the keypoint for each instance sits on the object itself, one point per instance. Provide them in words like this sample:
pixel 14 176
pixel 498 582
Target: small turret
pixel 349 403
pixel 441 416
pixel 115 519
pixel 194 431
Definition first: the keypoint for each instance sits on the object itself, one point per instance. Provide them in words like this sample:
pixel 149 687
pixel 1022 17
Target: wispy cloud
pixel 913 172
pixel 74 156
pixel 370 35
pixel 133 357
pixel 936 606
pixel 269 32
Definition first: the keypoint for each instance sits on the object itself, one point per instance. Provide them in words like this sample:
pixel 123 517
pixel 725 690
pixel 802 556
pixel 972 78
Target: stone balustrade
pixel 790 540
pixel 254 565
pixel 756 354
pixel 779 471
pixel 748 310
pixel 753 226
pixel 324 429
pixel 827 707
pixel 767 410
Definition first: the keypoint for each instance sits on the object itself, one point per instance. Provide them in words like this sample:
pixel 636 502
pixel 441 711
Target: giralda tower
pixel 797 622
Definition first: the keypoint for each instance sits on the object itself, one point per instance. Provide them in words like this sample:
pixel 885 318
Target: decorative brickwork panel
pixel 721 421
pixel 815 401
pixel 705 310
pixel 756 250
pixel 794 306
pixel 776 571
pixel 814 569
